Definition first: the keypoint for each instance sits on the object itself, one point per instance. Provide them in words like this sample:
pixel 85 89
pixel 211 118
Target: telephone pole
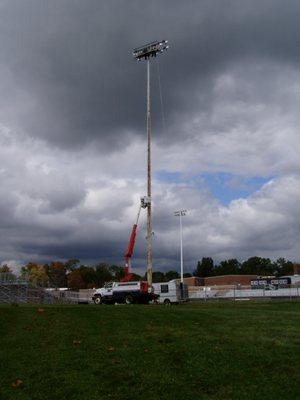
pixel 146 52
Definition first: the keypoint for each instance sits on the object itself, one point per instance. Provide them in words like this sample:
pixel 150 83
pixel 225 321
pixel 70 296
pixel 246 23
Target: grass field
pixel 246 350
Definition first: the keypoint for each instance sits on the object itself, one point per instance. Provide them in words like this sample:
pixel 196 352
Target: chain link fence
pixel 19 290
pixel 239 292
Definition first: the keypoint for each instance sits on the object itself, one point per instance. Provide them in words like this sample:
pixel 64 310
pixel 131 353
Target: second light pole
pixel 180 214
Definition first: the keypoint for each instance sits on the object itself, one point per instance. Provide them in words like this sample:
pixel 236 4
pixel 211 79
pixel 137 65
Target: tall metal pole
pixel 181 251
pixel 146 52
pixel 149 211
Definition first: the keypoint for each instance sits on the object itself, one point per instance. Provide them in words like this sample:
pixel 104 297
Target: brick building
pixel 223 280
pixel 296 269
pixel 193 281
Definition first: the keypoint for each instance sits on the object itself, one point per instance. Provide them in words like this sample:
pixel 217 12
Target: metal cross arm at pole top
pixel 181 212
pixel 150 50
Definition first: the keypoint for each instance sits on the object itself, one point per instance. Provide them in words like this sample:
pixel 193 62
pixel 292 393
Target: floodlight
pixel 150 50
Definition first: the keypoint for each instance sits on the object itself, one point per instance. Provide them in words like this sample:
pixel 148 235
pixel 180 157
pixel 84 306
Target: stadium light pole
pixel 180 214
pixel 146 52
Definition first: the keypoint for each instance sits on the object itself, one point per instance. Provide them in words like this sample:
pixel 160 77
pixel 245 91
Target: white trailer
pixel 170 292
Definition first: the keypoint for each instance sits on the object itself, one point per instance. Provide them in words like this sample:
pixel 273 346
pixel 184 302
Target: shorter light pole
pixel 180 214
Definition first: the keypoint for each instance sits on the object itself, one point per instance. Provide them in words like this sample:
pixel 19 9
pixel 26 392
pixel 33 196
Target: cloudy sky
pixel 72 129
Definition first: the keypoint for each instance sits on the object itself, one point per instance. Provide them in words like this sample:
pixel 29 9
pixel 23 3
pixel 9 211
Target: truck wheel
pixel 129 299
pixel 98 300
pixel 167 302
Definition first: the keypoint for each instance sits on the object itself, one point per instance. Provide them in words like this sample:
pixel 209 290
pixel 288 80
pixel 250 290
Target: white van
pixel 170 292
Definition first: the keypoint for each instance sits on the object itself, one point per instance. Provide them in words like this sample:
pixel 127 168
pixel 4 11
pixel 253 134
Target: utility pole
pixel 180 214
pixel 149 182
pixel 145 53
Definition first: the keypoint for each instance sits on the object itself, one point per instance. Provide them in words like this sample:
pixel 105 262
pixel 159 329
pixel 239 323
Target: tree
pixel 117 272
pixel 258 266
pixel 158 276
pixel 204 267
pixel 171 275
pixel 228 267
pixel 36 274
pixel 88 275
pixel 187 275
pixel 71 264
pixel 75 280
pixel 103 274
pixel 283 267
pixel 57 274
pixel 6 273
pixel 4 269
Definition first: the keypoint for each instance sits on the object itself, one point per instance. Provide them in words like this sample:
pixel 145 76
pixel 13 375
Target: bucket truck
pixel 127 291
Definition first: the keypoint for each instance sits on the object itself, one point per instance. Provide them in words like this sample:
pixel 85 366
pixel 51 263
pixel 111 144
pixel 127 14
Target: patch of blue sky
pixel 170 177
pixel 225 187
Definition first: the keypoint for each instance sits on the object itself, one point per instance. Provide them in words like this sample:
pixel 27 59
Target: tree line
pixel 253 266
pixel 75 276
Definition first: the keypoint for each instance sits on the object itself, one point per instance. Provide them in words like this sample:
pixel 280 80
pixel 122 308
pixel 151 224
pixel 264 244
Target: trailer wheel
pixel 129 299
pixel 98 300
pixel 167 302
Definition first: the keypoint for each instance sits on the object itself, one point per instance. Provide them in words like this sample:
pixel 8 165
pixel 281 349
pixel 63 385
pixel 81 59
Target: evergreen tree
pixel 205 267
pixel 258 266
pixel 228 267
pixel 283 267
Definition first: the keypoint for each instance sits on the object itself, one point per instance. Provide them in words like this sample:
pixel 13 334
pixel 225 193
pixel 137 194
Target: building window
pixel 164 288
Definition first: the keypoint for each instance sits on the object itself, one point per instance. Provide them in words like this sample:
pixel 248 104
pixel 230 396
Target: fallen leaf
pixel 115 361
pixel 76 341
pixel 111 349
pixel 40 310
pixel 146 350
pixel 17 383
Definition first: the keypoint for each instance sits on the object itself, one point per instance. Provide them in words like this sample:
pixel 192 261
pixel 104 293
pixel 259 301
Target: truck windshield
pixel 108 285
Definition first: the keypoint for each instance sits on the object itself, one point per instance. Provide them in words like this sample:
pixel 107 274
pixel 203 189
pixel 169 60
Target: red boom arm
pixel 128 254
pixel 131 242
pixel 129 250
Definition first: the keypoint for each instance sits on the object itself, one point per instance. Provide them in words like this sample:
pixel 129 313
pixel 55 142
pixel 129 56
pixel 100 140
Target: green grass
pixel 203 351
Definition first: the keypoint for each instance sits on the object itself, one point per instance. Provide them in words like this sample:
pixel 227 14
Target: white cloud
pixel 251 127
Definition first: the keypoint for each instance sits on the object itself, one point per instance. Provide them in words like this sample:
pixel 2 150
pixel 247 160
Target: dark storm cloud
pixel 70 61
pixel 230 92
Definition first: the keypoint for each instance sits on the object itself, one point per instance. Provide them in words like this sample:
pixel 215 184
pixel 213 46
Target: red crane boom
pixel 129 250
